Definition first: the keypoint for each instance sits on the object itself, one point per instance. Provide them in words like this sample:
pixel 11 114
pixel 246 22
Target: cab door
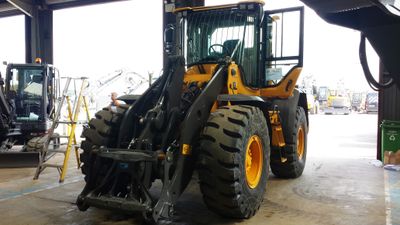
pixel 282 51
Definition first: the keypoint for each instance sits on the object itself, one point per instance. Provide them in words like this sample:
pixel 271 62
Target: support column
pixel 389 105
pixel 39 35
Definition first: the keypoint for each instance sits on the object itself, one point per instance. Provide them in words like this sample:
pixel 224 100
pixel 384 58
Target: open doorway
pixel 342 121
pixel 117 45
pixel 12 41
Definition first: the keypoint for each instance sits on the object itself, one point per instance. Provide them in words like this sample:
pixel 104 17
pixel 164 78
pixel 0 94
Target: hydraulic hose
pixel 375 85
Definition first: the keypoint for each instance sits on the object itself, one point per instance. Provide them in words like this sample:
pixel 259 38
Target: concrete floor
pixel 339 186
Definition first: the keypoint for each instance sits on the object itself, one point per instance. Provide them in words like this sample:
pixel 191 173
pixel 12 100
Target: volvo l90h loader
pixel 28 94
pixel 226 106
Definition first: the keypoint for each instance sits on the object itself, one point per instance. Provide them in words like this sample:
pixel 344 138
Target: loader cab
pixel 30 89
pixel 208 35
pixel 266 46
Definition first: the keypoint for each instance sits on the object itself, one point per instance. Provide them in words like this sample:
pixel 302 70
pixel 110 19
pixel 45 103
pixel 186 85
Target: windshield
pixel 211 36
pixel 26 93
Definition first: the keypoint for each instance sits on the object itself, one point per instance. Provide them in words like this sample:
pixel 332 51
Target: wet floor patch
pixel 19 187
pixel 392 189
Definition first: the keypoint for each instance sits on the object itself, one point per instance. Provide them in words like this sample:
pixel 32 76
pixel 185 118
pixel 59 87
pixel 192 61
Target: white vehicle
pixel 312 102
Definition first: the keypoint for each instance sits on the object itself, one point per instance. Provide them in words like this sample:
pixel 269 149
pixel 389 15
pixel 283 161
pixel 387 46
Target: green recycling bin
pixel 390 136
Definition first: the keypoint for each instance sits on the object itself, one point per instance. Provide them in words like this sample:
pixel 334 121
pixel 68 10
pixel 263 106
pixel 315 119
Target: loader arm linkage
pixel 164 142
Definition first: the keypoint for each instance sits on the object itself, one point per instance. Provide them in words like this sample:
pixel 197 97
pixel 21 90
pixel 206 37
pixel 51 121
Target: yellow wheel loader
pixel 226 106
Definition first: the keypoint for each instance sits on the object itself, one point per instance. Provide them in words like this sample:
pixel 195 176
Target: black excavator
pixel 27 97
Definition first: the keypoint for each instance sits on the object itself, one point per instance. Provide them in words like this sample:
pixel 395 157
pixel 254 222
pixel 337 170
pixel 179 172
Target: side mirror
pixel 1 81
pixel 5 63
pixel 169 38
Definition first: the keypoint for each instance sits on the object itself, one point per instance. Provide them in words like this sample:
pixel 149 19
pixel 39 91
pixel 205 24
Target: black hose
pixel 375 85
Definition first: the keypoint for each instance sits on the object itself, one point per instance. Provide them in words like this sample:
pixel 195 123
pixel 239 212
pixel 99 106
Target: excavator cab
pixel 30 89
pixel 30 92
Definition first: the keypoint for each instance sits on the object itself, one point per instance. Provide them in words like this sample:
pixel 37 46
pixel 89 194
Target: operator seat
pixel 230 47
pixel 37 79
pixel 32 103
pixel 241 62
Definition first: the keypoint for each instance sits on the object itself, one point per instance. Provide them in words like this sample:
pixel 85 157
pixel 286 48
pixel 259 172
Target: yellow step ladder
pixel 47 151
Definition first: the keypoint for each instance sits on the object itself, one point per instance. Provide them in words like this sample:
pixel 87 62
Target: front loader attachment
pixel 12 156
pixel 12 159
pixel 155 141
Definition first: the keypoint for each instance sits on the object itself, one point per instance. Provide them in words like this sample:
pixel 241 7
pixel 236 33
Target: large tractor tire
pixel 234 161
pixel 295 149
pixel 102 131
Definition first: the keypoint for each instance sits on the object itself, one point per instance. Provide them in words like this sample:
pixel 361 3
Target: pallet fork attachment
pixel 162 124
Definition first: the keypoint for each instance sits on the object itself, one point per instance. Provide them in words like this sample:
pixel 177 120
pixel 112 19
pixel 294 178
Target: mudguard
pixel 287 109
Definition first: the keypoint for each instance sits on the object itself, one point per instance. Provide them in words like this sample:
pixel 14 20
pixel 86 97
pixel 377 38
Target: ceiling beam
pixel 18 7
pixel 63 4
pixel 24 7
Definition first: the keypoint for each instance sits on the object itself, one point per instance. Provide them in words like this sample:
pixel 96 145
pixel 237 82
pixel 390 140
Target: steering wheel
pixel 212 51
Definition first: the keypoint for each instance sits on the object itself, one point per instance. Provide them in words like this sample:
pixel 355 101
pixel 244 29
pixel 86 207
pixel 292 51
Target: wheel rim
pixel 300 143
pixel 254 161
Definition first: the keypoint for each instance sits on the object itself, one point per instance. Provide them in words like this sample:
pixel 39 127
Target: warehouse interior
pixel 205 153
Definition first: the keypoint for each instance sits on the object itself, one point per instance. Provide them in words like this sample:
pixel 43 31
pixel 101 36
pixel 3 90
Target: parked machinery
pixel 128 83
pixel 27 97
pixel 312 100
pixel 334 101
pixel 338 102
pixel 371 102
pixel 322 96
pixel 358 101
pixel 308 85
pixel 226 106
